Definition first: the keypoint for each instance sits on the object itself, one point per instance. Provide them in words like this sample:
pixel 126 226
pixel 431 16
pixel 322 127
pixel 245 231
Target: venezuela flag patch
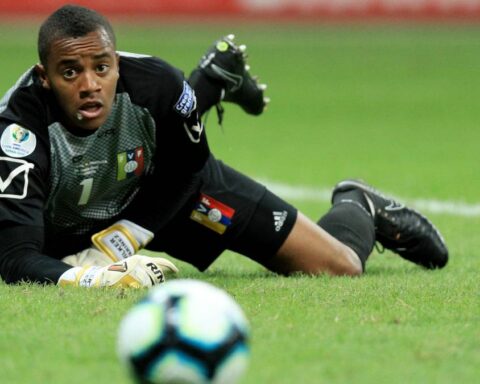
pixel 212 214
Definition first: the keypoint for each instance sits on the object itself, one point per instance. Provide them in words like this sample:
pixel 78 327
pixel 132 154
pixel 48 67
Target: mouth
pixel 90 110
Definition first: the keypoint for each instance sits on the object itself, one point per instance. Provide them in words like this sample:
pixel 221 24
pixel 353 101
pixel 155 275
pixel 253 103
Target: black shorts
pixel 230 211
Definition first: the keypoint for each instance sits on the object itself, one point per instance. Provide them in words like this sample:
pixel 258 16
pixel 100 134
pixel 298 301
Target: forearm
pixel 21 258
pixel 22 261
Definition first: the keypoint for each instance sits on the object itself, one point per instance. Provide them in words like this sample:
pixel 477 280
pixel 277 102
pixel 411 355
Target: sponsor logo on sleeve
pixel 212 214
pixel 187 101
pixel 130 163
pixel 279 218
pixel 14 177
pixel 17 141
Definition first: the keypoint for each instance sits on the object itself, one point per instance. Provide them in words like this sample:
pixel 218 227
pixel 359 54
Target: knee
pixel 346 263
pixel 341 261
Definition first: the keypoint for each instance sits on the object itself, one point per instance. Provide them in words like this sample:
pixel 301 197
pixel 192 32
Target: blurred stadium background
pixel 262 8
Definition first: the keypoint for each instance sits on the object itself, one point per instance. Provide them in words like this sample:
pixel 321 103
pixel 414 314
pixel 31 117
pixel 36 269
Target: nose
pixel 89 84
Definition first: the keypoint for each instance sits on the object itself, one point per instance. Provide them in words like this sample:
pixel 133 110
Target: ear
pixel 42 74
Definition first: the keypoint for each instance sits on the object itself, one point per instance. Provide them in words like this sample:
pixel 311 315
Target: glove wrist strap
pixel 121 240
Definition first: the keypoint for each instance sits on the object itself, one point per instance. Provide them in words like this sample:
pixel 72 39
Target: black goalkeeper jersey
pixel 55 183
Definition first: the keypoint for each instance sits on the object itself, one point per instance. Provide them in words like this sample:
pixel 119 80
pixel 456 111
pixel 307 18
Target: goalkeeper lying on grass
pixel 103 153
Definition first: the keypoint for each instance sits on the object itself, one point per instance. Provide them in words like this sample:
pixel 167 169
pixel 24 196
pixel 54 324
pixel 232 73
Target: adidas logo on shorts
pixel 279 218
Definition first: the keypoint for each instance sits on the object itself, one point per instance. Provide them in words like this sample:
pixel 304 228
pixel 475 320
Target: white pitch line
pixel 304 193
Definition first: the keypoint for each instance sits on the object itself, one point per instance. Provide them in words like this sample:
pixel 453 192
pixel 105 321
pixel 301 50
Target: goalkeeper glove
pixel 121 240
pixel 135 272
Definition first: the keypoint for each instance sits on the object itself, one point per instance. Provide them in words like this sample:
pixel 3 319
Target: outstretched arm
pixel 22 260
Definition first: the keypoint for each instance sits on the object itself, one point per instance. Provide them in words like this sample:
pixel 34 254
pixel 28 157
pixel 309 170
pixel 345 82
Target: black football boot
pixel 401 229
pixel 225 62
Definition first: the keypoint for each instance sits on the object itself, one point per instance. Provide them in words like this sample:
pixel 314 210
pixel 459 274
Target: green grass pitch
pixel 396 105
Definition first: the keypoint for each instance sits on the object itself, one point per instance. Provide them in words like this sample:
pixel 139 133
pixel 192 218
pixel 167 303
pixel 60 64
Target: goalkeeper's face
pixel 82 72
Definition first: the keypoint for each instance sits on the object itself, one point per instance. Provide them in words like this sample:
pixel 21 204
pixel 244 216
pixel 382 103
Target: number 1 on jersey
pixel 86 191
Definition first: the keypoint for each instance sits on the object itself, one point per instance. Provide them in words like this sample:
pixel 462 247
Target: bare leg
pixel 310 249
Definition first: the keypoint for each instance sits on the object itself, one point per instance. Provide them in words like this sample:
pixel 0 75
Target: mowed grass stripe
pixel 323 194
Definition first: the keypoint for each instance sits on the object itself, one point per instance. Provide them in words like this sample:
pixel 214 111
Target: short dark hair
pixel 70 21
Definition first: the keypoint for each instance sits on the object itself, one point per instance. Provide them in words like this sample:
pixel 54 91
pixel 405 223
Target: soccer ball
pixel 185 331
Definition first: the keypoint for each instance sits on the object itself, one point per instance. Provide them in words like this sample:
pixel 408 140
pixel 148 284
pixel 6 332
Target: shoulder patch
pixel 187 101
pixel 17 141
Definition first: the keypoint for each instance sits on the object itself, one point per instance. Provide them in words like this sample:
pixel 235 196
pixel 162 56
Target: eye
pixel 102 68
pixel 69 73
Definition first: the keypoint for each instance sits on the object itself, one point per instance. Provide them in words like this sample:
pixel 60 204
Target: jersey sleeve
pixel 24 155
pixel 24 158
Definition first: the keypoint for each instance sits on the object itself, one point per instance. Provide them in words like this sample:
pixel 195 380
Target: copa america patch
pixel 187 101
pixel 212 214
pixel 17 141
